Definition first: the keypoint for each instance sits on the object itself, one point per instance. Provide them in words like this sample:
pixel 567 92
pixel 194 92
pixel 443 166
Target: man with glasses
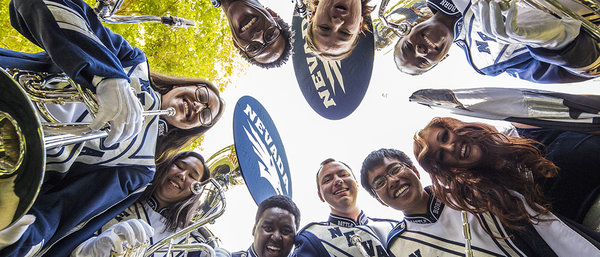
pixel 432 229
pixel 260 35
pixel 348 232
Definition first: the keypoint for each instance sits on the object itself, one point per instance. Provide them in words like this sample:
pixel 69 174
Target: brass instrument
pixel 397 20
pixel 213 206
pixel 467 234
pixel 28 129
pixel 224 172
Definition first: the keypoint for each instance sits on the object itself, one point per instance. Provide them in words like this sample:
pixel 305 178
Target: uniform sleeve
pixel 75 39
pixel 581 57
pixel 308 245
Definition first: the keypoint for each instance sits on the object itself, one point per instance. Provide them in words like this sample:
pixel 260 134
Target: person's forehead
pixel 278 213
pixel 333 167
pixel 195 163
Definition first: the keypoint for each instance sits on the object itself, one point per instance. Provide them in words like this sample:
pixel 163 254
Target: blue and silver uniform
pixel 248 253
pixel 86 181
pixel 333 237
pixel 578 61
pixel 439 232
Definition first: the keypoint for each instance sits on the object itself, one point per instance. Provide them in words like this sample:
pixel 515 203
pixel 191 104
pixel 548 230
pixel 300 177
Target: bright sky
pixel 385 118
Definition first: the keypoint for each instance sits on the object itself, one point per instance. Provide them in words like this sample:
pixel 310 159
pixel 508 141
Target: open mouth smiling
pixel 249 24
pixel 401 190
pixel 338 192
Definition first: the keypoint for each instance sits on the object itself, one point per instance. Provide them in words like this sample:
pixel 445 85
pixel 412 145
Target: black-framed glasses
pixel 381 181
pixel 202 96
pixel 271 34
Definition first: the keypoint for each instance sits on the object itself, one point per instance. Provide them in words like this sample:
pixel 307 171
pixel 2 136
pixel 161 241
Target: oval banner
pixel 260 151
pixel 334 89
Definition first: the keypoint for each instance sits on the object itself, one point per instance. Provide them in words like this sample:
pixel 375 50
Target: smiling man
pixel 260 35
pixel 348 232
pixel 433 229
pixel 277 219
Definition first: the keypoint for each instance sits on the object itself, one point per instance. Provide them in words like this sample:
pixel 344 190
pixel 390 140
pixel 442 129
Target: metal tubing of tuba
pixel 467 234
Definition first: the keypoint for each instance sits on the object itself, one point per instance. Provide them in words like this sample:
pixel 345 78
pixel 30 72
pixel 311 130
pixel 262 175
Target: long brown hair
pixel 179 214
pixel 508 164
pixel 175 139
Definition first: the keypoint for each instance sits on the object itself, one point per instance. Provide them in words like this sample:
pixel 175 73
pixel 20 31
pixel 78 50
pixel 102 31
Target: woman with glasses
pixel 83 180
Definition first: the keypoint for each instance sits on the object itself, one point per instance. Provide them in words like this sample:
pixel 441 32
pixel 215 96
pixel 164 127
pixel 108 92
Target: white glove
pixel 131 232
pixel 525 25
pixel 119 106
pixel 11 234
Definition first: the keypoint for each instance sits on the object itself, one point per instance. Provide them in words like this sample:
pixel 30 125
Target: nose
pixel 337 180
pixel 258 36
pixel 276 236
pixel 392 180
pixel 421 50
pixel 448 146
pixel 197 106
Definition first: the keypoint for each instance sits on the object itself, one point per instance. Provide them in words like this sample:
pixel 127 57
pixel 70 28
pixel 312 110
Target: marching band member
pixel 274 231
pixel 434 228
pixel 167 205
pixel 335 27
pixel 532 45
pixel 86 179
pixel 488 159
pixel 260 35
pixel 337 186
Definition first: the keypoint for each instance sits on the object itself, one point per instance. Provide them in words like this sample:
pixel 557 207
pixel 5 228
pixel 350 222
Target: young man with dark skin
pixel 550 51
pixel 260 35
pixel 431 228
pixel 348 232
pixel 274 231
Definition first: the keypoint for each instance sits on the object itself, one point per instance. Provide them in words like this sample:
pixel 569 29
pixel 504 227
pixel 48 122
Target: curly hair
pixel 179 214
pixel 287 35
pixel 175 139
pixel 509 164
pixel 366 10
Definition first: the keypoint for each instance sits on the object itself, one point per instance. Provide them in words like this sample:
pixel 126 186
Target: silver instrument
pixel 106 12
pixel 356 241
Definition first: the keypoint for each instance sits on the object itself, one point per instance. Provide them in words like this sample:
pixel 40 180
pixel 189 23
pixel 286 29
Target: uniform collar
pixel 434 211
pixel 252 252
pixel 346 222
pixel 153 204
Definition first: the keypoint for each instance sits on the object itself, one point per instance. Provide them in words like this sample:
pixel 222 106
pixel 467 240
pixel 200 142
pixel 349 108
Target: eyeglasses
pixel 381 181
pixel 202 96
pixel 254 48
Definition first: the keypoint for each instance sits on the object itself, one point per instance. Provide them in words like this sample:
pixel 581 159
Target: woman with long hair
pixel 168 204
pixel 474 167
pixel 84 180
